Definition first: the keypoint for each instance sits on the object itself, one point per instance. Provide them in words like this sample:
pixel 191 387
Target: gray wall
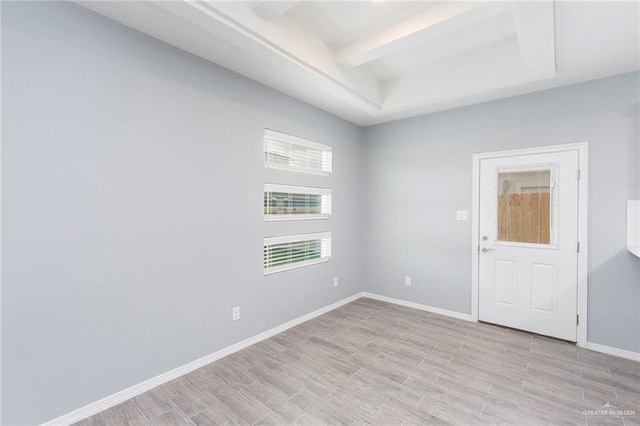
pixel 417 173
pixel 132 181
pixel 132 185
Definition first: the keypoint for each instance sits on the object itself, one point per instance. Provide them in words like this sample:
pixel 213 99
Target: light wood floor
pixel 371 362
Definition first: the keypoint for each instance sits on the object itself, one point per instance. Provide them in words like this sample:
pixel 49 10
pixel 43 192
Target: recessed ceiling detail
pixel 371 62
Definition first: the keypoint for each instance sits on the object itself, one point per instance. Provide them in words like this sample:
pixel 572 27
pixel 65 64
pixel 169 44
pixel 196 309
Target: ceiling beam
pixel 270 10
pixel 433 22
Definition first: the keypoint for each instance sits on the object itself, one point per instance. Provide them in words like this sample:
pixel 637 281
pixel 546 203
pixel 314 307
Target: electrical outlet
pixel 407 281
pixel 335 282
pixel 235 313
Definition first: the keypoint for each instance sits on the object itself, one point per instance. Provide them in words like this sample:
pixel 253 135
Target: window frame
pixel 272 135
pixel 325 251
pixel 553 204
pixel 325 193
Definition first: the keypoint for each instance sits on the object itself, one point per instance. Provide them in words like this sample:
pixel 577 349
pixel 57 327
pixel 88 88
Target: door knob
pixel 486 249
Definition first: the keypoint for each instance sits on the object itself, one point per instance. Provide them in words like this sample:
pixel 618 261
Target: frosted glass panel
pixel 524 206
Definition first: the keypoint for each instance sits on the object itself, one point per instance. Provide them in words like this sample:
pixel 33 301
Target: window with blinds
pixel 295 251
pixel 286 152
pixel 282 202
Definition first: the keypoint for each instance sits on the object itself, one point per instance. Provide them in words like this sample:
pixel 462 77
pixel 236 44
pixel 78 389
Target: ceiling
pixel 376 61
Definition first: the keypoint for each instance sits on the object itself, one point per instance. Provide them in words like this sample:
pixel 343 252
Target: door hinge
pixel 577 319
pixel 578 247
pixel 578 174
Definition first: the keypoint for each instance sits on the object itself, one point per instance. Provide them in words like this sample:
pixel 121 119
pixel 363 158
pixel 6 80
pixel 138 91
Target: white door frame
pixel 583 150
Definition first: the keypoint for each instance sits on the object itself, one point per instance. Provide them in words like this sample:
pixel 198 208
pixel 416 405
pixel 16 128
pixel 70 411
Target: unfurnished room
pixel 369 212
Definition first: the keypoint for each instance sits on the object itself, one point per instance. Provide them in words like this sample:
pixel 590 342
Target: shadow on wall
pixel 173 64
pixel 608 282
pixel 154 58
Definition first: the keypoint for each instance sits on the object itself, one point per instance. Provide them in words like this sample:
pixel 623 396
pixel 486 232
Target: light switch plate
pixel 462 215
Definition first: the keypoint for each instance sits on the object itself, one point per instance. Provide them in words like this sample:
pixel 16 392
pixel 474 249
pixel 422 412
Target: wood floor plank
pixel 629 396
pixel 304 362
pixel 447 404
pixel 411 413
pixel 389 387
pixel 363 411
pixel 212 416
pixel 540 406
pixel 511 414
pixel 230 375
pixel 203 378
pixel 175 417
pixel 630 374
pixel 126 413
pixel 416 344
pixel 276 408
pixel 234 405
pixel 352 388
pixel 356 344
pixel 254 356
pixel 327 414
pixel 381 367
pixel 397 351
pixel 619 363
pixel 330 348
pixel 304 380
pixel 154 402
pixel 305 400
pixel 606 378
pixel 186 397
pixel 308 420
pixel 275 381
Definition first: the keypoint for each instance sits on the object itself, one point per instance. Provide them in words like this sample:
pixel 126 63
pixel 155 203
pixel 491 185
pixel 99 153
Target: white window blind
pixel 296 251
pixel 286 152
pixel 283 202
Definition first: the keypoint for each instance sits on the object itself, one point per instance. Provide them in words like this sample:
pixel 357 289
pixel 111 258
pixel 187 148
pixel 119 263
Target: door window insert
pixel 525 203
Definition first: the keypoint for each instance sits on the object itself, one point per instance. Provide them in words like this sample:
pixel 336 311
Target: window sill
pixel 296 265
pixel 279 218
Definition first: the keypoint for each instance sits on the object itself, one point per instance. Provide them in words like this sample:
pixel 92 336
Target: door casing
pixel 582 149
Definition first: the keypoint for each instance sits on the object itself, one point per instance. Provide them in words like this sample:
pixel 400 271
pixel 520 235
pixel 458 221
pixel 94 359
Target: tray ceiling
pixel 376 61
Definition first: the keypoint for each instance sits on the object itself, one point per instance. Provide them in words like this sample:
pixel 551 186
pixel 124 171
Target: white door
pixel 528 243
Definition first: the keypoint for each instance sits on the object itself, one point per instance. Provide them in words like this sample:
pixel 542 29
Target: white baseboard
pixel 135 390
pixel 432 309
pixel 622 353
